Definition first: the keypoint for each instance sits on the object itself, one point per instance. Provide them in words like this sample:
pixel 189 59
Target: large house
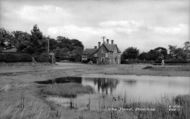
pixel 105 53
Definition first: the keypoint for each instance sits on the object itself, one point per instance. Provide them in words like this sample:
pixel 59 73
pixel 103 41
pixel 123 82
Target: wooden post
pixel 48 47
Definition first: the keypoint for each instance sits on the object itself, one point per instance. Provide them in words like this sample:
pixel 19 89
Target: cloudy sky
pixel 144 24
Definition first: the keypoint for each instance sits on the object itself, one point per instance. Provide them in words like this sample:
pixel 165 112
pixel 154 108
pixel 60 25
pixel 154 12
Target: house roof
pixel 89 51
pixel 111 47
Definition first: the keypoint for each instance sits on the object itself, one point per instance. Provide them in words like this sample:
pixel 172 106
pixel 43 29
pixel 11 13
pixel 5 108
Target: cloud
pixel 125 33
pixel 43 14
pixel 173 30
pixel 137 26
pixel 145 24
pixel 122 26
pixel 85 33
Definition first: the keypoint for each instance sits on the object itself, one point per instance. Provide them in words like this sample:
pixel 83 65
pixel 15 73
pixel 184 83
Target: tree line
pixel 36 44
pixel 173 55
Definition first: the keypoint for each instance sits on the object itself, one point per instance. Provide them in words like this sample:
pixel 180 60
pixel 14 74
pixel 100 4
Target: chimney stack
pixel 111 41
pixel 99 43
pixel 107 41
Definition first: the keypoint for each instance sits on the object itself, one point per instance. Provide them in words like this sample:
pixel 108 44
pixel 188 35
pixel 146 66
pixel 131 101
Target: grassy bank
pixel 65 90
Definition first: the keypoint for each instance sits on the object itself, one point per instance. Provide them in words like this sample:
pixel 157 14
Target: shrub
pixel 15 57
pixel 2 57
pixel 66 89
pixel 174 61
pixel 12 57
pixel 25 58
pixel 42 58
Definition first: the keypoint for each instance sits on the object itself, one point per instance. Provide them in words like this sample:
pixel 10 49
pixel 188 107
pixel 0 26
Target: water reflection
pixel 105 85
pixel 140 88
pixel 61 80
pixel 130 82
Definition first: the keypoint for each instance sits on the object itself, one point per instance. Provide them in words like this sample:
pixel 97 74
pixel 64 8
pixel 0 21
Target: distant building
pixel 105 53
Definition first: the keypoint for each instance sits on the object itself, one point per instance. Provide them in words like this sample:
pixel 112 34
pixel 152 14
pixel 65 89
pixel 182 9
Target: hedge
pixel 15 57
pixel 22 57
pixel 173 61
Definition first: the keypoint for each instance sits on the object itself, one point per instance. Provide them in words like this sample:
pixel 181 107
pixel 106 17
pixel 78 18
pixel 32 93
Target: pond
pixel 138 88
pixel 132 88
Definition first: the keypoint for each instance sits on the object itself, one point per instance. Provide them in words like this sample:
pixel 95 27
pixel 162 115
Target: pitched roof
pixel 89 51
pixel 111 47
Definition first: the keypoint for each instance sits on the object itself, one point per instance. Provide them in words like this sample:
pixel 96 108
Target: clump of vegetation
pixel 66 90
pixel 38 46
pixel 148 67
pixel 179 108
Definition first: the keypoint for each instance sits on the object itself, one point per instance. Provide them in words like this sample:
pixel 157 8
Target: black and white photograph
pixel 94 59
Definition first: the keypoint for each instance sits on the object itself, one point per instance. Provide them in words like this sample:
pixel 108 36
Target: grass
pixel 66 89
pixel 179 108
pixel 30 105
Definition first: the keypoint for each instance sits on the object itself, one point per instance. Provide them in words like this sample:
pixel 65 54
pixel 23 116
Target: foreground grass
pixel 65 90
pixel 26 104
pixel 179 108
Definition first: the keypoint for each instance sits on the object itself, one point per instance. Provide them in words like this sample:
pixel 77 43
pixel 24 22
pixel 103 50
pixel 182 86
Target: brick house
pixel 105 53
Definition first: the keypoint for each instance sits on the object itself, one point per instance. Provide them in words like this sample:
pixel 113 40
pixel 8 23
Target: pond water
pixel 131 87
pixel 138 88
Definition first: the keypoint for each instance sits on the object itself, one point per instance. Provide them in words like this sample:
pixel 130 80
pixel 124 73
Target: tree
pixel 177 53
pixel 38 43
pixel 153 55
pixel 143 56
pixel 22 41
pixel 52 43
pixel 130 53
pixel 187 46
pixel 69 49
pixel 187 49
pixel 162 52
pixel 6 39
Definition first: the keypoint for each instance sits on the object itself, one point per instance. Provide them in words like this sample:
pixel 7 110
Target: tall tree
pixel 130 53
pixel 177 53
pixel 22 41
pixel 162 52
pixel 38 42
pixel 69 49
pixel 143 56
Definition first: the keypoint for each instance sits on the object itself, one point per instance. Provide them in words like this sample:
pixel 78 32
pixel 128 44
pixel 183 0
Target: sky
pixel 145 24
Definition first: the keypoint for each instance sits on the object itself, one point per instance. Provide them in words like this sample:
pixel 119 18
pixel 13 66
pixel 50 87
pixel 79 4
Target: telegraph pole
pixel 48 46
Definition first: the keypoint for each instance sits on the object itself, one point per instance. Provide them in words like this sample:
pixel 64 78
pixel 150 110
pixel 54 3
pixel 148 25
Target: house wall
pixel 105 57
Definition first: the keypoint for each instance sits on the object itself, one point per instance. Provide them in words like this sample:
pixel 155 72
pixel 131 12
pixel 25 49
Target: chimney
pixel 111 41
pixel 95 47
pixel 107 41
pixel 99 43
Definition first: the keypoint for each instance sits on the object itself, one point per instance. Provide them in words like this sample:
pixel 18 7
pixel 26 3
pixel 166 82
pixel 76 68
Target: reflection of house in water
pixel 106 85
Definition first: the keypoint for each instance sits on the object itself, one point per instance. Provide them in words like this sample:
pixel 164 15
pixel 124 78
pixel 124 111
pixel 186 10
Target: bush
pixel 66 89
pixel 2 57
pixel 12 57
pixel 25 58
pixel 174 61
pixel 15 57
pixel 42 58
